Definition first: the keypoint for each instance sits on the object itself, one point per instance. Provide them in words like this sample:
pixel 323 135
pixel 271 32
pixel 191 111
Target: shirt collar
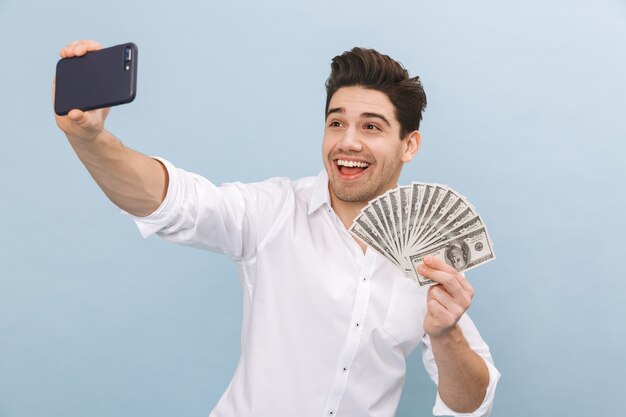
pixel 320 194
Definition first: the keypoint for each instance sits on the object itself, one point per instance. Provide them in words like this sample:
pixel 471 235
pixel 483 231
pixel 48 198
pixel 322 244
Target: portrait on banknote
pixel 457 255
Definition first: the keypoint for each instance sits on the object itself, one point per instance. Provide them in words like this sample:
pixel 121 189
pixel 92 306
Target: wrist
pixel 92 152
pixel 452 335
pixel 88 139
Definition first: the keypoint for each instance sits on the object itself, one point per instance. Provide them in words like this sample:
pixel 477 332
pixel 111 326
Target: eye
pixel 371 126
pixel 334 123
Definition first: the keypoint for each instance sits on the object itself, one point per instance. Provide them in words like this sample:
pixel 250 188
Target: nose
pixel 350 140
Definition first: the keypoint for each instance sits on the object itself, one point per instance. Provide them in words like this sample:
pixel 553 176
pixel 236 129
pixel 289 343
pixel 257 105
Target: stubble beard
pixel 357 193
pixel 352 196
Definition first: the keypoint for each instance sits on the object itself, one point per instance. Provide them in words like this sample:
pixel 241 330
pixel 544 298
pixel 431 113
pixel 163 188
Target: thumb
pixel 77 116
pixel 86 124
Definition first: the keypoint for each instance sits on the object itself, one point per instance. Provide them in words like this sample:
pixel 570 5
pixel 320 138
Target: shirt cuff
pixel 167 211
pixel 441 409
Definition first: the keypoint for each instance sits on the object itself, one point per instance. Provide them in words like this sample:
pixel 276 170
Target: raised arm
pixel 134 182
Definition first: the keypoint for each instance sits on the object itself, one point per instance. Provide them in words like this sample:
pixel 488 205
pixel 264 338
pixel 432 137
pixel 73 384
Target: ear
pixel 411 146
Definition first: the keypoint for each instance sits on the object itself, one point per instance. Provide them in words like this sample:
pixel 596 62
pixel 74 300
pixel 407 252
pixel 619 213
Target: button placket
pixel 354 333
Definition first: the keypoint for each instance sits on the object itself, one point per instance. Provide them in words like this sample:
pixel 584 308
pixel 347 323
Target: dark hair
pixel 370 69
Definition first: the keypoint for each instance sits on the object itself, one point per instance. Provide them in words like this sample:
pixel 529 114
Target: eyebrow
pixel 365 115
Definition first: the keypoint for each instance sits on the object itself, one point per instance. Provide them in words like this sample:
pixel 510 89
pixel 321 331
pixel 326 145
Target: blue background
pixel 525 117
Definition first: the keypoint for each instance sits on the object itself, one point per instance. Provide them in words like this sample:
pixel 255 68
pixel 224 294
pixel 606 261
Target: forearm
pixel 134 182
pixel 463 375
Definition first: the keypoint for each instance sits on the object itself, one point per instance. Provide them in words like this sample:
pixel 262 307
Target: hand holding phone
pixel 92 80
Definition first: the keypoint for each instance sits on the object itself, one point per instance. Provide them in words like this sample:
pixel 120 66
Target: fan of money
pixel 412 221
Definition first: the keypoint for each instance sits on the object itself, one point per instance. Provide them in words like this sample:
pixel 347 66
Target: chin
pixel 354 194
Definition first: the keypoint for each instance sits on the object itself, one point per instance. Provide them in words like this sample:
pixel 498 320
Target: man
pixel 327 323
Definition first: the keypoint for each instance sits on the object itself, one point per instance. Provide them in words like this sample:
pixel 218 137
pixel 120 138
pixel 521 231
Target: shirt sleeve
pixel 478 345
pixel 227 219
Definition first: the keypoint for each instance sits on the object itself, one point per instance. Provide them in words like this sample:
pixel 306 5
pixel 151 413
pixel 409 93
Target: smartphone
pixel 102 78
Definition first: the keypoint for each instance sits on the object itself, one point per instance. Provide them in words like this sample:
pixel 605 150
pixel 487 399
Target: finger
pixel 447 279
pixel 465 283
pixel 80 48
pixel 54 89
pixel 439 313
pixel 439 264
pixel 77 116
pixel 445 300
pixel 68 50
pixel 88 119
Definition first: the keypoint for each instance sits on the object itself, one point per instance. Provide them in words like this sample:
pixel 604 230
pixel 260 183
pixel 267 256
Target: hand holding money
pixel 410 222
pixel 446 302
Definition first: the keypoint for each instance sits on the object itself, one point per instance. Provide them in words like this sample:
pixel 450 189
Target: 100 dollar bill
pixel 464 252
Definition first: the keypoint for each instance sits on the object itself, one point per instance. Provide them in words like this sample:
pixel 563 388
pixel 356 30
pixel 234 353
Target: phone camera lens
pixel 128 55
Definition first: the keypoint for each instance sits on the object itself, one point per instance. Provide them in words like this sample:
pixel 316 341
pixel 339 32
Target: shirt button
pixel 345 368
pixel 357 324
pixel 331 413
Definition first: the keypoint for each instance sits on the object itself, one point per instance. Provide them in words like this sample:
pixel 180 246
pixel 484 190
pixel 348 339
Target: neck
pixel 346 210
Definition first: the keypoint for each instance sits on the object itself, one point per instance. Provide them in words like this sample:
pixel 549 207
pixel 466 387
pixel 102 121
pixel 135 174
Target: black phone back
pixel 103 78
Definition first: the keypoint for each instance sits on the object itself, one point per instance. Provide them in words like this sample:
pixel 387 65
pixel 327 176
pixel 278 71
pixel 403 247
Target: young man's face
pixel 362 150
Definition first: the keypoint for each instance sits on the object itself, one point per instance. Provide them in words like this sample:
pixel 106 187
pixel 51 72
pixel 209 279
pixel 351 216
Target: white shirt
pixel 326 328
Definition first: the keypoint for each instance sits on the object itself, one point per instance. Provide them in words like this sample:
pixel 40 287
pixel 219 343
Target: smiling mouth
pixel 350 169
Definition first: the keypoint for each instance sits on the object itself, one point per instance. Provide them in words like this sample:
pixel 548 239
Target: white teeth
pixel 343 162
